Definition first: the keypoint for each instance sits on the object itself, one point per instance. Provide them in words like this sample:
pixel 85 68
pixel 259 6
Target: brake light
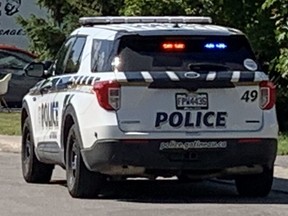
pixel 108 94
pixel 267 95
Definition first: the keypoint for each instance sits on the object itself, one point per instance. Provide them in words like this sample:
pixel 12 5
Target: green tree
pixel 165 7
pixel 278 10
pixel 47 35
pixel 279 13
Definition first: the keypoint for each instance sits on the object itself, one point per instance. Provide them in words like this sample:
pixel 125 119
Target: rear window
pixel 182 53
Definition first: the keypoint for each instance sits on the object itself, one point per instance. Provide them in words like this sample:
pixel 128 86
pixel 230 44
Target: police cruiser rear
pixel 149 97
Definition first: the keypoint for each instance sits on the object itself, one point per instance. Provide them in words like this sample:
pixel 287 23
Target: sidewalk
pixel 10 143
pixel 13 144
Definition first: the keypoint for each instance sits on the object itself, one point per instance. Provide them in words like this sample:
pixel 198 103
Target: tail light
pixel 108 94
pixel 267 95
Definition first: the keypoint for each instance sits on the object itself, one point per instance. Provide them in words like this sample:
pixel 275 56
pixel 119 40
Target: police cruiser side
pixel 149 97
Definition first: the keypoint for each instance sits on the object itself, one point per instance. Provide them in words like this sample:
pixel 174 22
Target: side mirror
pixel 35 69
pixel 47 64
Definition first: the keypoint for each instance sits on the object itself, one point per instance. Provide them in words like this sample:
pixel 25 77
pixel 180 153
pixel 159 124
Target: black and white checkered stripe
pixel 171 76
pixel 175 76
pixel 83 80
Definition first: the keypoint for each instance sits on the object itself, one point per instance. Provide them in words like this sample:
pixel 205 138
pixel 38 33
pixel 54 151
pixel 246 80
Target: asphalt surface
pixel 132 198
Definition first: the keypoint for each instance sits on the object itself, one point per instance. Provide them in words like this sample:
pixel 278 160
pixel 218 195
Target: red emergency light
pixel 173 46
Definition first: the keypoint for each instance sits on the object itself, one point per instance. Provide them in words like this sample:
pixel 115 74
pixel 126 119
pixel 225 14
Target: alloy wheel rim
pixel 27 151
pixel 72 161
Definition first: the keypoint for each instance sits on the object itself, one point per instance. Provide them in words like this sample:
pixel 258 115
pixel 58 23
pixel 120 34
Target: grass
pixel 10 125
pixel 283 144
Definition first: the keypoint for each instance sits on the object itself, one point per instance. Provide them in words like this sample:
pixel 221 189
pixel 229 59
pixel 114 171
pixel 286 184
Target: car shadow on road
pixel 173 191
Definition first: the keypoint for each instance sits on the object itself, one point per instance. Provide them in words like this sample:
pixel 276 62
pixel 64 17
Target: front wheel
pixel 257 185
pixel 33 170
pixel 81 182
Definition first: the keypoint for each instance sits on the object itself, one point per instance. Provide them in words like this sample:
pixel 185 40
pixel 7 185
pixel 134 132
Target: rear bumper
pixel 115 157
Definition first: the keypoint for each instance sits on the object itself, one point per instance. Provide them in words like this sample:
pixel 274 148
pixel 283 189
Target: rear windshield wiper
pixel 200 66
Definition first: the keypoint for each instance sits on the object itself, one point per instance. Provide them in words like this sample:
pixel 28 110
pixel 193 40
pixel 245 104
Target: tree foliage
pixel 165 7
pixel 279 13
pixel 47 35
pixel 278 10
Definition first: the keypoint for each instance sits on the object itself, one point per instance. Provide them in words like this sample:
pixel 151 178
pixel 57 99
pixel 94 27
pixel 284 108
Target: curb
pixel 280 172
pixel 10 143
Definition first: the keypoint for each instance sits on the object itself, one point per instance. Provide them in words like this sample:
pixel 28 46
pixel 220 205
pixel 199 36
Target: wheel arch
pixel 24 114
pixel 69 118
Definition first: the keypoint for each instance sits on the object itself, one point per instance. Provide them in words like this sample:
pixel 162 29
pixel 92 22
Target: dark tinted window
pixel 101 55
pixel 62 56
pixel 13 60
pixel 182 53
pixel 74 59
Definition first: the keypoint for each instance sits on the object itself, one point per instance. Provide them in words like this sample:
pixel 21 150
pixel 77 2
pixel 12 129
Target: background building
pixel 10 31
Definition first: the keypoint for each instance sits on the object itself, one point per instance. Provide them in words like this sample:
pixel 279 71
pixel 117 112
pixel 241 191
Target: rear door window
pixel 74 59
pixel 62 56
pixel 101 55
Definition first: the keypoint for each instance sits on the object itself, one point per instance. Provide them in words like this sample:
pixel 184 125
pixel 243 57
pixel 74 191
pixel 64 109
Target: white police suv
pixel 149 97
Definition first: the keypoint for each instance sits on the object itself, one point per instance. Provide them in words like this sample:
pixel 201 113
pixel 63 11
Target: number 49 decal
pixel 249 96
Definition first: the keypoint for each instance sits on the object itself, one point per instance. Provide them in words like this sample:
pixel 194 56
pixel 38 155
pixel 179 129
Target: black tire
pixel 81 182
pixel 258 185
pixel 33 170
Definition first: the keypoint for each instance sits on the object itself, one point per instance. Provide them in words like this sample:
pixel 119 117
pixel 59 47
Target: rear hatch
pixel 158 104
pixel 189 83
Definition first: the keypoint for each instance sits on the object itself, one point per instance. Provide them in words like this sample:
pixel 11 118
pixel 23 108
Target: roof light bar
pixel 90 21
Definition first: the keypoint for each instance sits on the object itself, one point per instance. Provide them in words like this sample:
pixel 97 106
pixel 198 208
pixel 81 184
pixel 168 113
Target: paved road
pixel 133 198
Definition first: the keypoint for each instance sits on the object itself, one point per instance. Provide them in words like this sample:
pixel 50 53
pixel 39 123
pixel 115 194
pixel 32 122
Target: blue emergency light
pixel 215 46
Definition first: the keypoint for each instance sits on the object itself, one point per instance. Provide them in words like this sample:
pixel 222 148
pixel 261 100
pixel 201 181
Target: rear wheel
pixel 257 185
pixel 33 170
pixel 81 182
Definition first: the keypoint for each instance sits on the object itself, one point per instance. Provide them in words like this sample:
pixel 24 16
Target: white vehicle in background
pixel 149 97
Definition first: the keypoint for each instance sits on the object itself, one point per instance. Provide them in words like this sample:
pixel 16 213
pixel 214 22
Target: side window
pixel 74 58
pixel 101 55
pixel 62 56
pixel 94 55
